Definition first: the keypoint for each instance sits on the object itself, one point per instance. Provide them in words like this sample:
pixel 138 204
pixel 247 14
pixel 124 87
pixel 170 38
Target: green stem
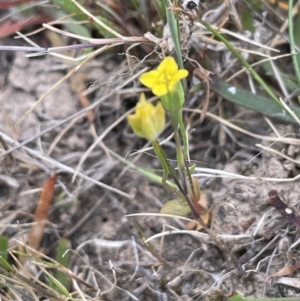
pixel 182 170
pixel 184 138
pixel 244 62
pixel 173 25
pixel 162 159
pixel 167 168
pixel 192 188
pixel 179 153
pixel 150 175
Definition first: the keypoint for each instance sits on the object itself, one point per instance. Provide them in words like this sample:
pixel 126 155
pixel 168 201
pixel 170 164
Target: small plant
pixel 148 122
pixel 163 31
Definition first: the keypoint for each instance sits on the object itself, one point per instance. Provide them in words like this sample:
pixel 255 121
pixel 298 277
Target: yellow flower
pixel 164 79
pixel 148 121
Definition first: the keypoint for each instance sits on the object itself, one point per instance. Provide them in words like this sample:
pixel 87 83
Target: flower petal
pixel 180 74
pixel 160 89
pixel 168 66
pixel 143 107
pixel 159 117
pixel 136 125
pixel 142 98
pixel 149 131
pixel 149 79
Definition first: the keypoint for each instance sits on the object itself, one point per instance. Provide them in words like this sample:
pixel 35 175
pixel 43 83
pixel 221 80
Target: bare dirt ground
pixel 254 239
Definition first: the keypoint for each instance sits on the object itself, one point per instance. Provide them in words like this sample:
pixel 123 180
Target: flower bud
pixel 148 120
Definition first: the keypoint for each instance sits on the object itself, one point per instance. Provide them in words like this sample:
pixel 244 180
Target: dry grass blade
pixel 204 75
pixel 74 70
pixel 226 122
pixel 287 270
pixel 96 20
pixel 92 106
pixel 63 167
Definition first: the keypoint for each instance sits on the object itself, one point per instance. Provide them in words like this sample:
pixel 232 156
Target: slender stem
pixel 184 138
pixel 162 160
pixel 192 188
pixel 179 153
pixel 182 175
pixel 244 62
pixel 167 168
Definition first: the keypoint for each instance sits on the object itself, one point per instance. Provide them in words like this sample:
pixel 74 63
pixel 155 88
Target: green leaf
pixel 238 297
pixel 63 257
pixel 4 247
pixel 6 266
pixel 149 174
pixel 254 74
pixel 294 40
pixel 173 25
pixel 161 12
pixel 247 20
pixel 70 8
pixel 72 26
pixel 192 168
pixel 251 101
pixel 4 255
pixel 297 43
pixel 63 281
pixel 176 207
pixel 102 30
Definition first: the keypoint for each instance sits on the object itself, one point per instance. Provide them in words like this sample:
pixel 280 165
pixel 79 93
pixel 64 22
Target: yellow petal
pixel 148 121
pixel 160 90
pixel 180 74
pixel 154 123
pixel 143 107
pixel 159 117
pixel 149 131
pixel 142 98
pixel 136 125
pixel 149 79
pixel 168 66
